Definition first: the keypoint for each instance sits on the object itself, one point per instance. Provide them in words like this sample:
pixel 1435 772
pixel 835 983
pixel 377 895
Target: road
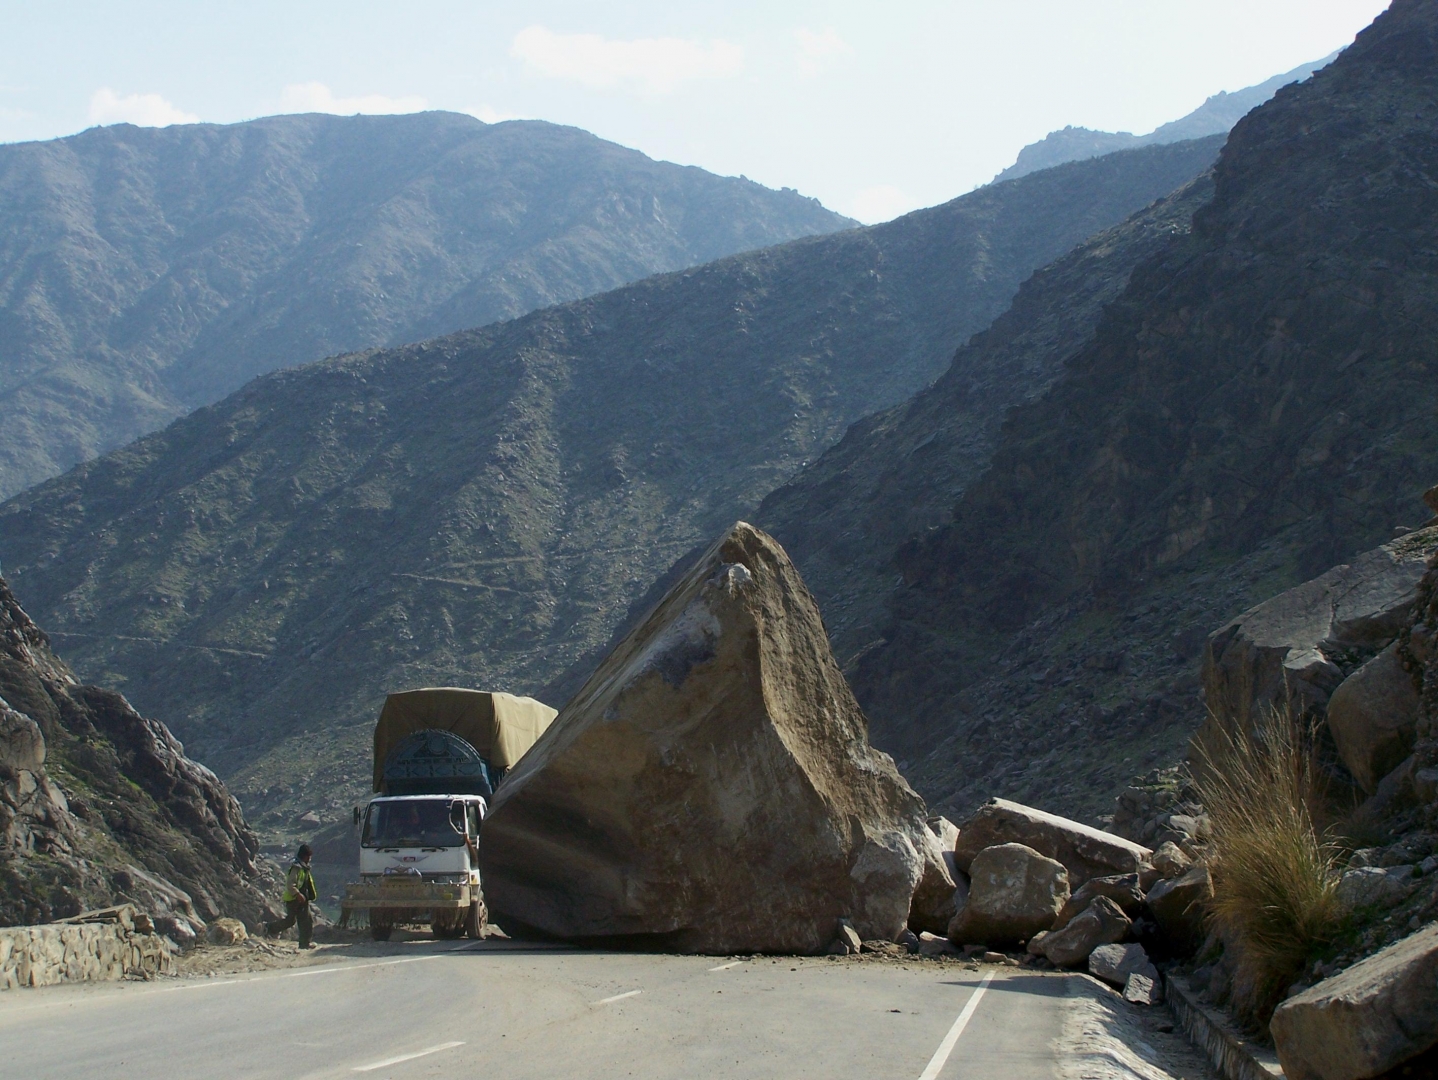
pixel 507 1011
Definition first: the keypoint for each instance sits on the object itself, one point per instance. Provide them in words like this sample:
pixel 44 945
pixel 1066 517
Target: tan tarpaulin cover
pixel 500 726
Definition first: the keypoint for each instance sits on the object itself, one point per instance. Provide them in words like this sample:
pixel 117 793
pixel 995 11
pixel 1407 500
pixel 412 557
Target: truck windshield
pixel 417 823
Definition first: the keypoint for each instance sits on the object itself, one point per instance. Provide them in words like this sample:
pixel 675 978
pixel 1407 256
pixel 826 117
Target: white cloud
pixel 317 97
pixel 492 116
pixel 882 202
pixel 816 51
pixel 656 65
pixel 147 110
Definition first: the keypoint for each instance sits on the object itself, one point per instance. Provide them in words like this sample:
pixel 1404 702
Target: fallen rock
pixel 1114 963
pixel 1366 1020
pixel 1373 716
pixel 1085 852
pixel 1101 923
pixel 711 788
pixel 908 940
pixel 1014 892
pixel 1036 943
pixel 1170 860
pixel 1375 886
pixel 224 931
pixel 177 928
pixel 933 905
pixel 1122 889
pixel 1277 655
pixel 934 945
pixel 850 937
pixel 1141 989
pixel 1425 785
pixel 1177 907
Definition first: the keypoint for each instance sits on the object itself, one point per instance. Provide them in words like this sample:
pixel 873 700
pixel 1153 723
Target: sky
pixel 875 109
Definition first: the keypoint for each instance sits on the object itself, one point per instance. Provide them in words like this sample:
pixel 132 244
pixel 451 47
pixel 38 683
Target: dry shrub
pixel 1275 877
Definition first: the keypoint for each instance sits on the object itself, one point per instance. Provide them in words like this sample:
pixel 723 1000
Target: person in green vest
pixel 299 893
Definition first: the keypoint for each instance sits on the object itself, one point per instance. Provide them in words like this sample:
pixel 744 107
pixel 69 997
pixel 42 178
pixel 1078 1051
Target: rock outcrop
pixel 711 788
pixel 1366 1020
pixel 99 805
pixel 1084 851
pixel 1292 652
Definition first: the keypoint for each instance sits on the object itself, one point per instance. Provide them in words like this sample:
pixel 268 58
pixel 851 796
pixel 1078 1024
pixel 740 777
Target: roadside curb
pixel 1235 1057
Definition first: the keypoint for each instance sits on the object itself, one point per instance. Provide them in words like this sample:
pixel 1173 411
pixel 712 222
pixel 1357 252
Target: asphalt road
pixel 509 1011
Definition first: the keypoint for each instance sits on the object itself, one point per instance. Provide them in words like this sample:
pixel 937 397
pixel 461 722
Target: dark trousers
pixel 296 911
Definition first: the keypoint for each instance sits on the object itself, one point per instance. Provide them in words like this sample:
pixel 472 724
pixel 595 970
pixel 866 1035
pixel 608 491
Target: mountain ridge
pixel 146 271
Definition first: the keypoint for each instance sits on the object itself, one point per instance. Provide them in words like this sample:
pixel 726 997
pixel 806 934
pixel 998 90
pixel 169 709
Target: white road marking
pixel 941 1055
pixel 726 967
pixel 407 1057
pixel 618 997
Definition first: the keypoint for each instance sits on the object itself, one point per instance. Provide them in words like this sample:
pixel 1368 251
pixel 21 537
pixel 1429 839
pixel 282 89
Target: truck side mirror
pixel 358 815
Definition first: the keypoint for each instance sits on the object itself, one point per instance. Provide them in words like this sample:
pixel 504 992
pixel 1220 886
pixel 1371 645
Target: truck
pixel 439 754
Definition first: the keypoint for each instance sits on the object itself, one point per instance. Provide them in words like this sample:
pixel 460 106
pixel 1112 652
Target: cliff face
pixel 147 271
pixel 99 805
pixel 482 509
pixel 1253 409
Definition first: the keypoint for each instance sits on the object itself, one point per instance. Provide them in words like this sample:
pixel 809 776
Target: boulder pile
pixel 1076 896
pixel 712 789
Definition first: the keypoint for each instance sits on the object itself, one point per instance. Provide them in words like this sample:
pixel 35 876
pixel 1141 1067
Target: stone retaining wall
pixel 105 948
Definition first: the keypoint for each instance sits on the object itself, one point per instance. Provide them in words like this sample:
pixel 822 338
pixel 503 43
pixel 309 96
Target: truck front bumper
pixel 407 893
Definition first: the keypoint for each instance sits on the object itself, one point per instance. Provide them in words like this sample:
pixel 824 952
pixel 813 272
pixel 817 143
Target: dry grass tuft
pixel 1274 876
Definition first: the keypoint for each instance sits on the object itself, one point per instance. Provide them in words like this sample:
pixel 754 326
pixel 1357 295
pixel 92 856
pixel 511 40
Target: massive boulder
pixel 100 805
pixel 1085 852
pixel 1363 1021
pixel 1373 716
pixel 1014 893
pixel 1287 652
pixel 711 788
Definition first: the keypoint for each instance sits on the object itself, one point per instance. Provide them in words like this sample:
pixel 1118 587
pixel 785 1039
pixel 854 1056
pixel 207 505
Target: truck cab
pixel 425 845
pixel 439 753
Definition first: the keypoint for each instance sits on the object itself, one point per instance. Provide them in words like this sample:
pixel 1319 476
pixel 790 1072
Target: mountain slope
pixel 99 805
pixel 481 509
pixel 145 271
pixel 897 474
pixel 1216 116
pixel 1257 406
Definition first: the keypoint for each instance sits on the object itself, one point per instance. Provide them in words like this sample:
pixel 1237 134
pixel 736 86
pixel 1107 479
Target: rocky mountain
pixel 1216 116
pixel 1252 409
pixel 147 271
pixel 99 805
pixel 483 508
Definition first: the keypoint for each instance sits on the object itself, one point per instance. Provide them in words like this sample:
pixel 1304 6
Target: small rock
pixel 177 928
pixel 934 945
pixel 1367 856
pixel 1036 943
pixel 1142 990
pixel 226 932
pixel 994 958
pixel 1177 907
pixel 1425 785
pixel 909 940
pixel 1122 889
pixel 1375 886
pixel 1101 923
pixel 1428 865
pixel 1170 861
pixel 849 936
pixel 310 818
pixel 837 948
pixel 1115 963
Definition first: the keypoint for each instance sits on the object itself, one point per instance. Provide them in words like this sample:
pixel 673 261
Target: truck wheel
pixel 380 931
pixel 474 920
pixel 448 926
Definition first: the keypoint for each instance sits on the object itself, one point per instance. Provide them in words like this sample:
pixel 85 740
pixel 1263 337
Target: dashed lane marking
pixel 726 967
pixel 407 1057
pixel 618 997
